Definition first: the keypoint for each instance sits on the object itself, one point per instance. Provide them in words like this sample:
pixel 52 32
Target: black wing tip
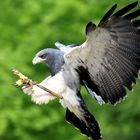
pixel 135 3
pixel 132 15
pixel 108 14
pixel 119 13
pixel 125 9
pixel 114 6
pixel 90 27
pixel 136 23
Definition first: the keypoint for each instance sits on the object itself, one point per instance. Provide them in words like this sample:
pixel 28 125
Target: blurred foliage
pixel 29 26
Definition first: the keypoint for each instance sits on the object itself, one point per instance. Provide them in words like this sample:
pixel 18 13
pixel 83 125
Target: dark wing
pixel 109 60
pixel 91 130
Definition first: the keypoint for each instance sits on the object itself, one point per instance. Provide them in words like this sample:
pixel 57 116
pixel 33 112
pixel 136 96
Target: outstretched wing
pixel 109 60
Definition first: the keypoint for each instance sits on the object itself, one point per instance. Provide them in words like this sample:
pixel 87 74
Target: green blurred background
pixel 27 26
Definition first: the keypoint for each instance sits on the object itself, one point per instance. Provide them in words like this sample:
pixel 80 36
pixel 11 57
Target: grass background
pixel 27 26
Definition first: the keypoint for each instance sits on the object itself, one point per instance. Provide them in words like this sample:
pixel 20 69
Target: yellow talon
pixel 22 78
pixel 19 82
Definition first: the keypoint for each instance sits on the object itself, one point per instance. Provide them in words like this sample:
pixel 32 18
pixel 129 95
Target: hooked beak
pixel 36 60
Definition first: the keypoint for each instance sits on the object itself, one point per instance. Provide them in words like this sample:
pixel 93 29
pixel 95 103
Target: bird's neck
pixel 55 67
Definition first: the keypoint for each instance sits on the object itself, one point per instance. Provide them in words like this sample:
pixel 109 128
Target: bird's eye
pixel 43 56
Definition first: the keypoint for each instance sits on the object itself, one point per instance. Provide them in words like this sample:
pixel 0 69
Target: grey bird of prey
pixel 55 60
pixel 107 63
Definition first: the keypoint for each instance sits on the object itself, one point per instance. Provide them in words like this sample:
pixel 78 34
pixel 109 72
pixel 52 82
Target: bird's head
pixel 44 56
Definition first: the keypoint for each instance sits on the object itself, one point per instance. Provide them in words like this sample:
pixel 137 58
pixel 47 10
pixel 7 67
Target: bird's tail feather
pixel 92 130
pixel 89 126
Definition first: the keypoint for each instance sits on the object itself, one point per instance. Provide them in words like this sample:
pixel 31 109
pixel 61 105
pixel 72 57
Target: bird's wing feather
pixel 62 47
pixel 109 60
pixel 65 48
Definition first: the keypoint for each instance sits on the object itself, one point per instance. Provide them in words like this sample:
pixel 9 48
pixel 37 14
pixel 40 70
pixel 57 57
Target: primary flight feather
pixel 107 63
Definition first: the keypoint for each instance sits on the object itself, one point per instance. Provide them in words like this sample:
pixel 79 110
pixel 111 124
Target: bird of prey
pixel 107 63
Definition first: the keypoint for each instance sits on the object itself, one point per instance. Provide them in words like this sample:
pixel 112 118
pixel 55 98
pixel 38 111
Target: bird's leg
pixel 24 80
